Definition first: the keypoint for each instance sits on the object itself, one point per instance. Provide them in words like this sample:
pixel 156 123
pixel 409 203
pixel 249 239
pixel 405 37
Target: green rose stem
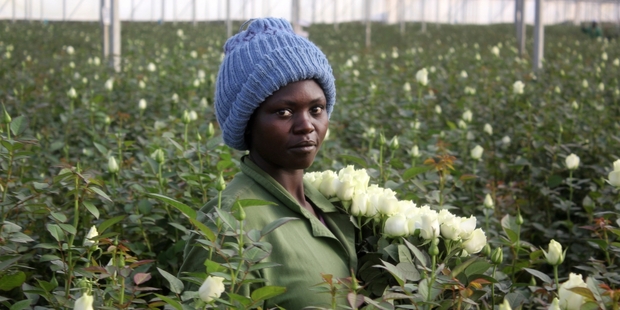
pixel 76 219
pixel 185 136
pixel 496 258
pixel 381 148
pixel 570 188
pixel 433 251
pixel 517 248
pixel 442 181
pixel 119 143
pixel 202 187
pixel 555 276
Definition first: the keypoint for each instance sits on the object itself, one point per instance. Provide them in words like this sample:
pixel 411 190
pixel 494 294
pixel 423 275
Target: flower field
pixel 102 173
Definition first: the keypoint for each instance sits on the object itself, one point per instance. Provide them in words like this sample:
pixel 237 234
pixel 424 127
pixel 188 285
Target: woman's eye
pixel 317 110
pixel 283 112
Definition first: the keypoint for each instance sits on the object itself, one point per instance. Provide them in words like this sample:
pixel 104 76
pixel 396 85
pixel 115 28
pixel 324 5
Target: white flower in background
pixel 467 116
pixel 175 98
pixel 517 87
pixel 211 288
pixel 415 151
pixel 407 87
pixel 151 67
pixel 554 255
pixel 469 90
pixel 71 93
pixel 84 80
pixel 506 140
pixel 616 62
pixel 142 104
pixel 470 136
pixel 584 83
pixel 557 90
pixel 180 33
pixel 462 124
pixel 575 105
pixel 464 74
pixel 555 304
pixel 396 226
pixel 438 109
pixel 495 51
pixel 85 302
pixel 72 65
pixel 432 69
pixel 488 129
pixel 70 50
pixel 349 63
pixel 96 61
pixel 476 153
pixel 505 305
pixel 196 82
pixel 478 56
pixel 614 177
pixel 204 103
pixel 475 242
pixel 193 54
pixel 422 76
pixel 92 233
pixel 109 84
pixel 601 87
pixel 415 124
pixel 141 84
pixel 112 165
pixel 604 56
pixel 570 300
pixel 488 202
pixel 356 73
pixel 572 162
pixel 394 54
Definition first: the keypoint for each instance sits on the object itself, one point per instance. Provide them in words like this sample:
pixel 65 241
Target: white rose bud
pixel 213 287
pixel 506 140
pixel 109 84
pixel 584 83
pixel 70 50
pixel 488 202
pixel 554 256
pixel 438 109
pixel 464 74
pixel 617 165
pixel 112 165
pixel 505 305
pixel 467 226
pixel 467 116
pixel 85 302
pixel 429 226
pixel 555 304
pixel 329 184
pixel 151 67
pixel 572 162
pixel 175 98
pixel 495 51
pixel 193 115
pixel 142 104
pixel 616 62
pixel 517 87
pixel 476 152
pixel 407 87
pixel 476 241
pixel 488 129
pixel 451 228
pixel 570 300
pixel 396 226
pixel 359 206
pixel 71 93
pixel 422 76
pixel 346 187
pixel 575 105
pixel 614 178
pixel 415 151
pixel 92 233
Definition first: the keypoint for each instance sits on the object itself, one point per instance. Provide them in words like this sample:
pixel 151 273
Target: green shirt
pixel 305 248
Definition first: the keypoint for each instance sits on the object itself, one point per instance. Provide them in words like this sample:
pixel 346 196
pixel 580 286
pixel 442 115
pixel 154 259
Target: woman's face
pixel 286 131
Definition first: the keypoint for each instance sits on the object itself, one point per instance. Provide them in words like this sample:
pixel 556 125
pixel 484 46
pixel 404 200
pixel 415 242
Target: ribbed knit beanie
pixel 257 62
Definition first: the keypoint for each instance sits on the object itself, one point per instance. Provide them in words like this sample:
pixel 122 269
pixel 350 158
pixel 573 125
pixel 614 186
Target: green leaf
pixel 91 208
pixel 477 267
pixel 545 278
pixel 267 292
pixel 255 254
pixel 20 305
pixel 264 266
pixel 359 161
pixel 102 149
pixel 59 216
pixel 109 222
pixel 11 280
pixel 141 277
pixel 417 253
pixel 170 301
pixel 100 193
pixel 7 263
pixel 185 209
pixel 254 202
pixel 275 224
pixel 460 268
pixel 18 125
pixel 176 286
pixel 204 229
pixel 56 232
pixel 68 228
pixel 413 171
pixel 394 271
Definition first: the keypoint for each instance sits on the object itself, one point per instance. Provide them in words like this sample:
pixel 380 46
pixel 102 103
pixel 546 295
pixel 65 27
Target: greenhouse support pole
pixel 423 19
pixel 335 2
pixel 104 14
pixel 194 12
pixel 228 21
pixel 520 26
pixel 367 17
pixel 115 40
pixel 539 36
pixel 64 10
pixel 401 15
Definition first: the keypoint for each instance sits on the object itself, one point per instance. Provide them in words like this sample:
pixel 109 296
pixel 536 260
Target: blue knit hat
pixel 258 61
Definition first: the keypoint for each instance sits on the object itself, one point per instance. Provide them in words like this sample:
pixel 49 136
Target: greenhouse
pixel 309 154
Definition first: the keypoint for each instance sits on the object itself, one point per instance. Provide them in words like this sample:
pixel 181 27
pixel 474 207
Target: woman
pixel 274 94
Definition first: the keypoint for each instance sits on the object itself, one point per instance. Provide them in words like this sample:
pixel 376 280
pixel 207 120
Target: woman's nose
pixel 303 123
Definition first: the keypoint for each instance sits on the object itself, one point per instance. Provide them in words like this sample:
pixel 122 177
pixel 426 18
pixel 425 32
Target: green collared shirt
pixel 305 248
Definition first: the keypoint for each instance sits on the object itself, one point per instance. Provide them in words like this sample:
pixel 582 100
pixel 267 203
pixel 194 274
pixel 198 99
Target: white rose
pixel 555 304
pixel 467 116
pixel 359 206
pixel 346 187
pixel 422 76
pixel 396 226
pixel 213 287
pixel 614 178
pixel 85 302
pixel 554 256
pixel 617 165
pixel 517 87
pixel 506 140
pixel 142 104
pixel 429 228
pixel 488 202
pixel 109 84
pixel 329 183
pixel 476 152
pixel 388 203
pixel 572 162
pixel 570 300
pixel 505 305
pixel 475 242
pixel 488 129
pixel 467 226
pixel 92 233
pixel 451 228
